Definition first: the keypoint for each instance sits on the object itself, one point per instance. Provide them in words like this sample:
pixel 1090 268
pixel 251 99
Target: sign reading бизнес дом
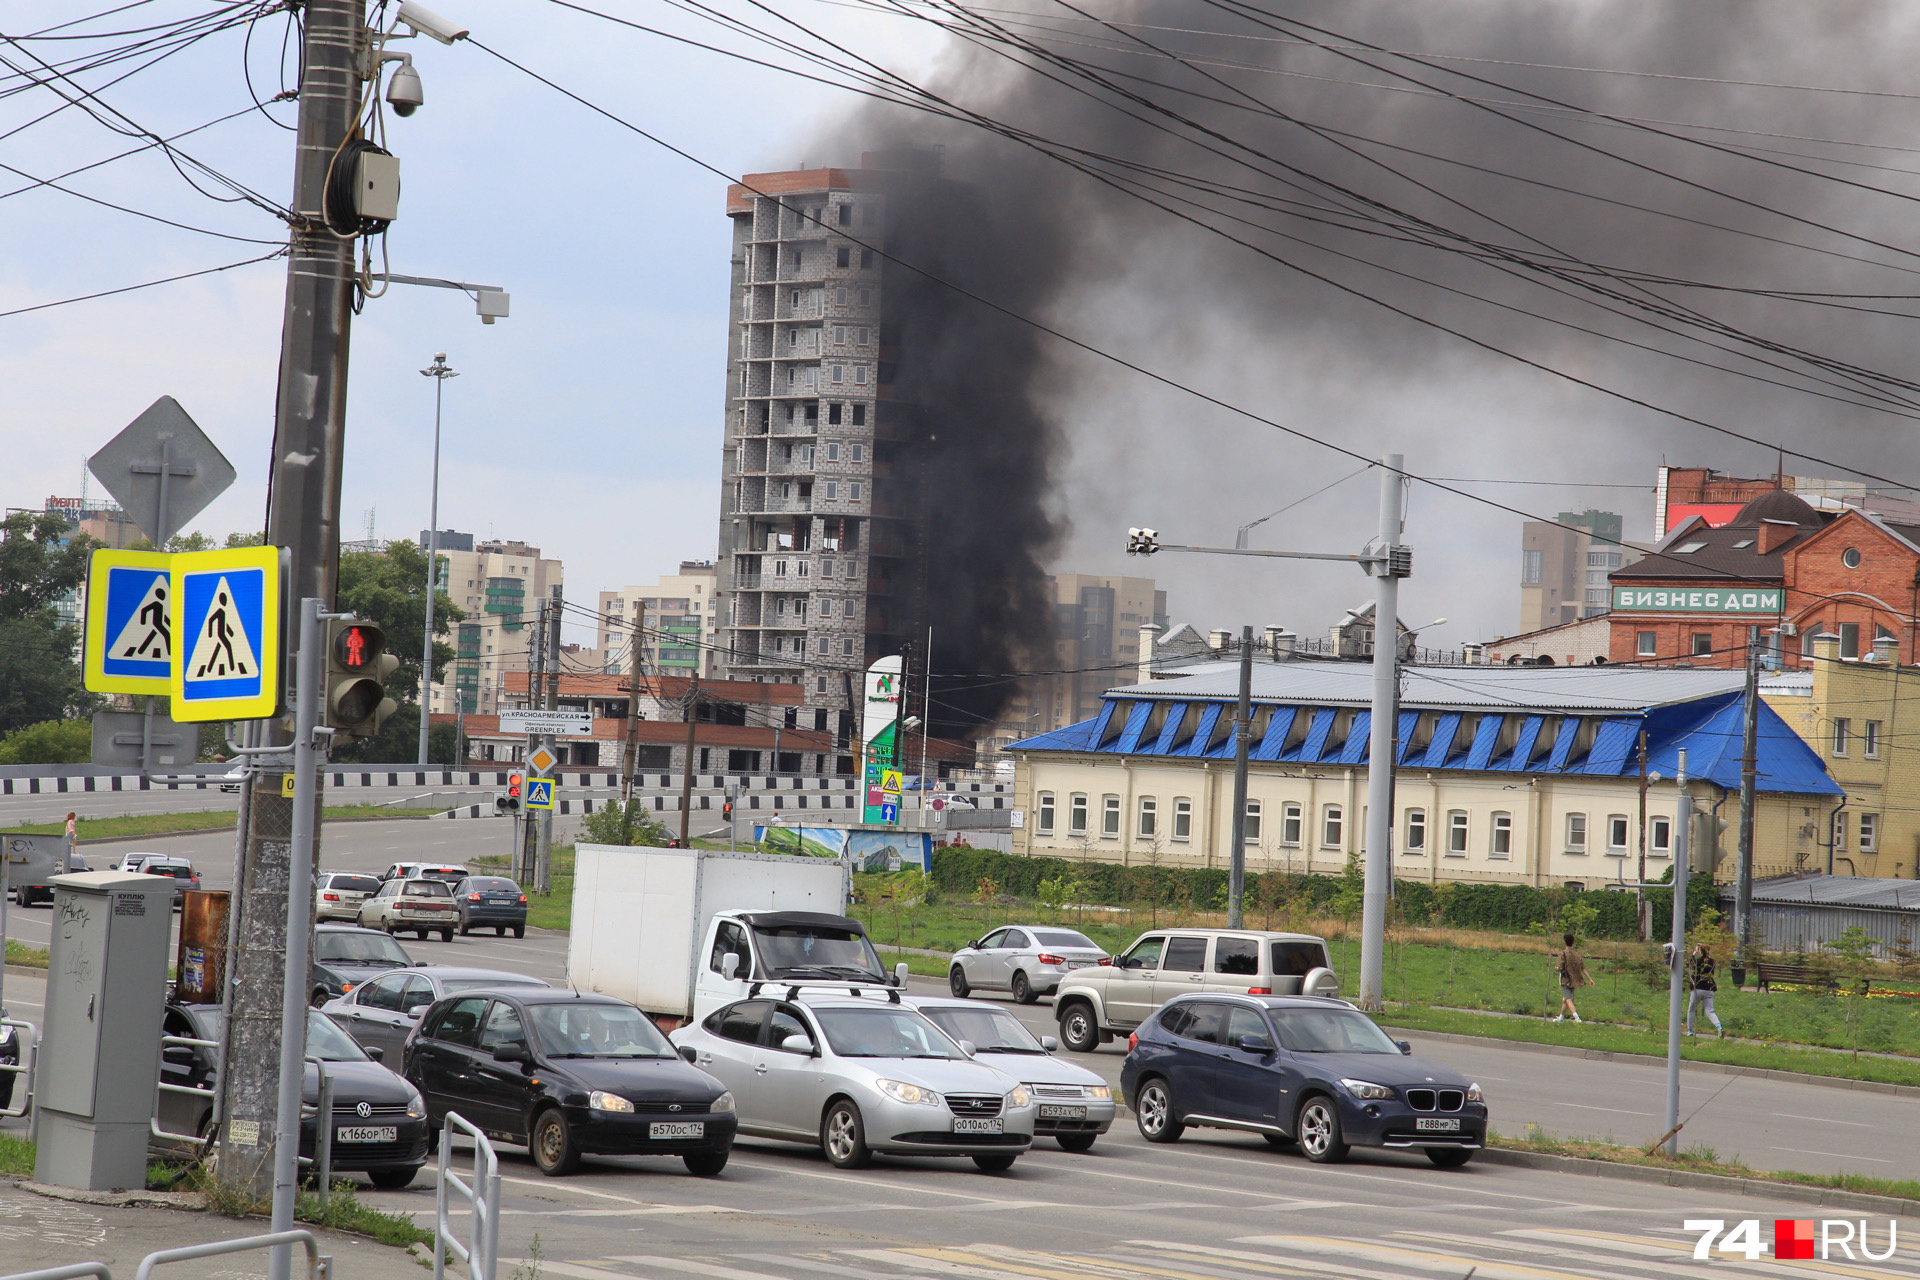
pixel 1698 599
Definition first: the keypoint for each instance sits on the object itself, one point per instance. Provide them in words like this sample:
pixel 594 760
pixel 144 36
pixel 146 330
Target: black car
pixel 491 900
pixel 1297 1069
pixel 345 955
pixel 379 1121
pixel 568 1074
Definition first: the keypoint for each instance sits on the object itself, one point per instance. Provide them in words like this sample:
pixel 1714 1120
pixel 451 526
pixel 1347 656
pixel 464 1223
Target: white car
pixel 1028 960
pixel 337 895
pixel 1072 1105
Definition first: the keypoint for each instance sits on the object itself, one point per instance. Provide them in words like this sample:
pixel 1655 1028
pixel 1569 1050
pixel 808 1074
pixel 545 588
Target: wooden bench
pixel 1800 974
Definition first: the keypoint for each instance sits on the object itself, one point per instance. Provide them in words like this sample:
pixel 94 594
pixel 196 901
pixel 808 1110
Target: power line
pixel 108 293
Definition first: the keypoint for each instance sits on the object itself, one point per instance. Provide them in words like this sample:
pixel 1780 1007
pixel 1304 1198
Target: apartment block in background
pixel 1564 565
pixel 499 585
pixel 681 631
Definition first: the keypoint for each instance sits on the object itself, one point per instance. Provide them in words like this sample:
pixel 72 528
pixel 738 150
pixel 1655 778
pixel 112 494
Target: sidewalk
pixel 39 1231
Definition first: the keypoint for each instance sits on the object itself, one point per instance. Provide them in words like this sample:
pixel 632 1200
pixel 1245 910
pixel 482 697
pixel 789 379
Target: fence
pixel 481 1252
pixel 319 1267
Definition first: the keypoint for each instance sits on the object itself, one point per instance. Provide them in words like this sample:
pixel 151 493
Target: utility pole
pixel 633 703
pixel 439 371
pixel 303 515
pixel 1749 771
pixel 543 851
pixel 1242 744
pixel 1640 892
pixel 686 772
pixel 1387 570
pixel 536 683
pixel 1676 985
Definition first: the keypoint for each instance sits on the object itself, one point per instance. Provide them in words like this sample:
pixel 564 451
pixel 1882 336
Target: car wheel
pixel 704 1164
pixel 994 1164
pixel 446 935
pixel 422 934
pixel 1449 1157
pixel 843 1136
pixel 1022 989
pixel 519 931
pixel 320 996
pixel 1075 1142
pixel 466 930
pixel 1153 1110
pixel 957 983
pixel 393 1179
pixel 499 931
pixel 1078 1030
pixel 1280 1141
pixel 1319 1130
pixel 553 1148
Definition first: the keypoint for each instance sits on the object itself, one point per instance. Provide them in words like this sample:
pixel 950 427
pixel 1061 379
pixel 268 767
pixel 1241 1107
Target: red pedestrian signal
pixel 358 665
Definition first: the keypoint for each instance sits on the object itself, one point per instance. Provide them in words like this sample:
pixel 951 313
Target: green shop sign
pixel 1697 599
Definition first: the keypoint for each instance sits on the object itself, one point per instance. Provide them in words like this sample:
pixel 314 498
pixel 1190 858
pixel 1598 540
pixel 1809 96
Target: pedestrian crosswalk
pixel 1531 1253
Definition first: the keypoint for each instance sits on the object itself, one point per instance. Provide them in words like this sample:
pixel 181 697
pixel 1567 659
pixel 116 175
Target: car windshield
pixel 354 884
pixel 1330 1031
pixel 328 1042
pixel 491 884
pixel 1064 938
pixel 177 870
pixel 988 1030
pixel 801 951
pixel 451 985
pixel 594 1030
pixel 360 948
pixel 427 889
pixel 892 1032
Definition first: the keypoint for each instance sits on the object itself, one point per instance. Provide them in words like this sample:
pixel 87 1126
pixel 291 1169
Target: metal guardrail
pixel 323 1135
pixel 72 1271
pixel 26 1039
pixel 319 1267
pixel 153 1123
pixel 482 1250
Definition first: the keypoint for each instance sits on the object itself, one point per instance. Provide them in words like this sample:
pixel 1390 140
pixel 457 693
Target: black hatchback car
pixel 1296 1069
pixel 491 900
pixel 568 1074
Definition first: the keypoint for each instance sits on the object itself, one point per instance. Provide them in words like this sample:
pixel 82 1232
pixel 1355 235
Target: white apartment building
pixel 681 631
pixel 499 585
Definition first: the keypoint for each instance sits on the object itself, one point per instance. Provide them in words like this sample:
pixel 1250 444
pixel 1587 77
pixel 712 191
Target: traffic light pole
pixel 525 854
pixel 1749 777
pixel 631 764
pixel 1676 980
pixel 543 851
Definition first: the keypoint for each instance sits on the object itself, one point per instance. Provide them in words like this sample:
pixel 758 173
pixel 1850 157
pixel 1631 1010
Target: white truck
pixel 680 932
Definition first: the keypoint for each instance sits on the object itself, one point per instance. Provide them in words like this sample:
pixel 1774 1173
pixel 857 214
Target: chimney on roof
pixel 1219 640
pixel 1276 638
pixel 1826 648
pixel 1886 649
pixel 1148 634
pixel 1772 534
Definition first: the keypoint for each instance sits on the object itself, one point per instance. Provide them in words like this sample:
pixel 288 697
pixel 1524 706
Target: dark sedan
pixel 382 1012
pixel 379 1121
pixel 1298 1070
pixel 344 956
pixel 567 1075
pixel 491 900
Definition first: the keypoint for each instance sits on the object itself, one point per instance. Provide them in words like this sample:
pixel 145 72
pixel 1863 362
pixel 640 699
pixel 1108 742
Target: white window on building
pixel 1617 832
pixel 839 339
pixel 1869 833
pixel 1416 837
pixel 1870 739
pixel 860 339
pixel 846 647
pixel 1660 838
pixel 1043 819
pixel 1110 817
pixel 1842 730
pixel 1646 647
pixel 1456 833
pixel 1332 826
pixel 833 455
pixel 837 373
pixel 1290 824
pixel 1502 843
pixel 859 455
pixel 1532 565
pixel 1077 814
pixel 853 491
pixel 1250 834
pixel 1149 817
pixel 860 375
pixel 833 493
pixel 1182 818
pixel 1576 833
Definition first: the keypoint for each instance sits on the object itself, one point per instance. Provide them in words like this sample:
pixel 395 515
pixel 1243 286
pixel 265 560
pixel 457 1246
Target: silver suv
pixel 1114 997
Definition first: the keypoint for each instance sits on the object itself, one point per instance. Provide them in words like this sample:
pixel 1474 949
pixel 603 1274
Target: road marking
pixel 1318 1172
pixel 572 1270
pixel 1426 1260
pixel 1620 1111
pixel 1788 1115
pixel 867 1184
pixel 1831 1155
pixel 697 1268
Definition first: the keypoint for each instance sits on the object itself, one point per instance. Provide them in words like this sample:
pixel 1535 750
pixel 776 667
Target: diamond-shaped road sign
pixel 542 759
pixel 162 469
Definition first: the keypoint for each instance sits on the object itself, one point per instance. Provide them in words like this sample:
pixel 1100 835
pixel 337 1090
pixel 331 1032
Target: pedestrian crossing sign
pixel 539 793
pixel 226 629
pixel 129 623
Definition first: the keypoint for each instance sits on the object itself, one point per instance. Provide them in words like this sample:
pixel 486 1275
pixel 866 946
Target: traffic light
pixel 508 801
pixel 1704 847
pixel 357 667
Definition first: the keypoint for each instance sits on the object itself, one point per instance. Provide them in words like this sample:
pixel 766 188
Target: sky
pixel 589 422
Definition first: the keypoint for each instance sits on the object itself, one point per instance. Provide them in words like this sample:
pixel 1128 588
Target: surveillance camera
pixel 426 22
pixel 404 92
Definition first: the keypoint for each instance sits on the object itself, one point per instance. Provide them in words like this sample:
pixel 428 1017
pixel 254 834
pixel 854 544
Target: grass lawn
pixel 154 824
pixel 20 953
pixel 1701 1158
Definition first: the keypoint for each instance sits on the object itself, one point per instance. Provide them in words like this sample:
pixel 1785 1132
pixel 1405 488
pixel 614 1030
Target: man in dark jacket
pixel 1573 976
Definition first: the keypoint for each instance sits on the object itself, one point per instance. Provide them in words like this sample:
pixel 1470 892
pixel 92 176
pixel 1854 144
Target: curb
pixel 25 970
pixel 1717 1068
pixel 191 1201
pixel 1797 1192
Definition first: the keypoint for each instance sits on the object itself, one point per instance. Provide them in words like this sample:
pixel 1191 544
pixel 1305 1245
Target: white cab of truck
pixel 656 927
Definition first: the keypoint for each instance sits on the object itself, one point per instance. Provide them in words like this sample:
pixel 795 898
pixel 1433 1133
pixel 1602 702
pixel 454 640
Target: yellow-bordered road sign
pixel 542 759
pixel 226 634
pixel 539 793
pixel 129 623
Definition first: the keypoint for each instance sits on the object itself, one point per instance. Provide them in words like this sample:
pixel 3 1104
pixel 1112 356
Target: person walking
pixel 1573 976
pixel 73 836
pixel 1702 988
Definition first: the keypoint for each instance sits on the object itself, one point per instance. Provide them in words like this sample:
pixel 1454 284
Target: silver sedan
pixel 382 1012
pixel 1072 1105
pixel 860 1076
pixel 1028 960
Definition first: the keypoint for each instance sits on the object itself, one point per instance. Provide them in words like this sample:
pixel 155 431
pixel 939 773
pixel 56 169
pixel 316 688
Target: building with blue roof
pixel 1521 774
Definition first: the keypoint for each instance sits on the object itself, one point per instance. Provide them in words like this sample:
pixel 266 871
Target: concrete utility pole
pixel 537 662
pixel 1749 777
pixel 439 372
pixel 1242 745
pixel 1640 891
pixel 303 515
pixel 632 762
pixel 1676 984
pixel 543 851
pixel 1380 742
pixel 686 772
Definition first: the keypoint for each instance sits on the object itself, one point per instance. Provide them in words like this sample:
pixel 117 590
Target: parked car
pixel 424 906
pixel 450 872
pixel 337 895
pixel 1028 960
pixel 344 956
pixel 568 1074
pixel 26 893
pixel 380 1123
pixel 491 900
pixel 233 779
pixel 1299 1070
pixel 382 1012
pixel 860 1076
pixel 133 861
pixel 10 1039
pixel 184 876
pixel 1072 1105
pixel 1095 1003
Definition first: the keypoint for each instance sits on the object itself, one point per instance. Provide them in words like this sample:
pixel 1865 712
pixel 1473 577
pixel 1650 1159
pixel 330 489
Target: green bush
pixel 49 742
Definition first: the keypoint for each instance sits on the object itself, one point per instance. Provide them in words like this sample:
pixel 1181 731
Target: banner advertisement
pixel 879 725
pixel 870 850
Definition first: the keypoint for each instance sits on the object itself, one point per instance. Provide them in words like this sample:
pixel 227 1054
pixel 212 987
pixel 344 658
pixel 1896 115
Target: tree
pixel 1854 951
pixel 41 562
pixel 49 742
pixel 623 824
pixel 389 588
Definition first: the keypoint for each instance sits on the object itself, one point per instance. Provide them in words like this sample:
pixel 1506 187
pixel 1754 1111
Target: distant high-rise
pixel 1564 563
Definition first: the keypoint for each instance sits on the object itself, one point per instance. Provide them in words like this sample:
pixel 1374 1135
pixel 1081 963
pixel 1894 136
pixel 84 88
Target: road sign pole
pixel 543 851
pixel 1383 720
pixel 1676 980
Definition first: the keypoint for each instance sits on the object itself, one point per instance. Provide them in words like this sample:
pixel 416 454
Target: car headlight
pixel 722 1104
pixel 900 1091
pixel 416 1108
pixel 1474 1094
pixel 1368 1090
pixel 1100 1092
pixel 601 1101
pixel 1018 1098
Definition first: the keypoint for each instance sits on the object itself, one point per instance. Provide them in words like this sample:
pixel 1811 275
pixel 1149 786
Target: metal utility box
pixel 99 1064
pixel 377 186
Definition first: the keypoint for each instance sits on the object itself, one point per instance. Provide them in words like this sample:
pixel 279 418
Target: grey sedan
pixel 1072 1105
pixel 383 1012
pixel 1028 960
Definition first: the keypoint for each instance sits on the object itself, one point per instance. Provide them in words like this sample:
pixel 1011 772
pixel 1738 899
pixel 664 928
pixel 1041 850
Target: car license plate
pixel 1079 964
pixel 500 902
pixel 372 1133
pixel 1440 1124
pixel 963 1125
pixel 1062 1113
pixel 677 1129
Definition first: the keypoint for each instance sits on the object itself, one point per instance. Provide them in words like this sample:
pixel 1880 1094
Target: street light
pixel 439 371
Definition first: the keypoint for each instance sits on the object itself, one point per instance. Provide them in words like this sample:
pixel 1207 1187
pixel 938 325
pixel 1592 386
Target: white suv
pixel 1114 997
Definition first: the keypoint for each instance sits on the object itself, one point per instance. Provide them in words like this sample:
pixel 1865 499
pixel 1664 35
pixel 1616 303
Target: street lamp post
pixel 439 371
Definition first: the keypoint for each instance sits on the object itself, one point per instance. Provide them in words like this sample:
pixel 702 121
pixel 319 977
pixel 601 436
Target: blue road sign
pixel 129 623
pixel 226 627
pixel 890 813
pixel 539 793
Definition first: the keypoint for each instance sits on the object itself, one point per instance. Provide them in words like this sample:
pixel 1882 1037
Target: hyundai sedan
pixel 1298 1070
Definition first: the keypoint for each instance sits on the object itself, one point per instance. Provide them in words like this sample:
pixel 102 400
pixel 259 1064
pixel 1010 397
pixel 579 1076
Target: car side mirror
pixel 729 965
pixel 376 1053
pixel 510 1052
pixel 900 972
pixel 414 1011
pixel 971 944
pixel 1049 1043
pixel 1406 1046
pixel 966 1047
pixel 1253 1044
pixel 801 1045
pixel 688 1052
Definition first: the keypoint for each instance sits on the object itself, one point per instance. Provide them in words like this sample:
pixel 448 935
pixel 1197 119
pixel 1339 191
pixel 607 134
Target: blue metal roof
pixel 1540 740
